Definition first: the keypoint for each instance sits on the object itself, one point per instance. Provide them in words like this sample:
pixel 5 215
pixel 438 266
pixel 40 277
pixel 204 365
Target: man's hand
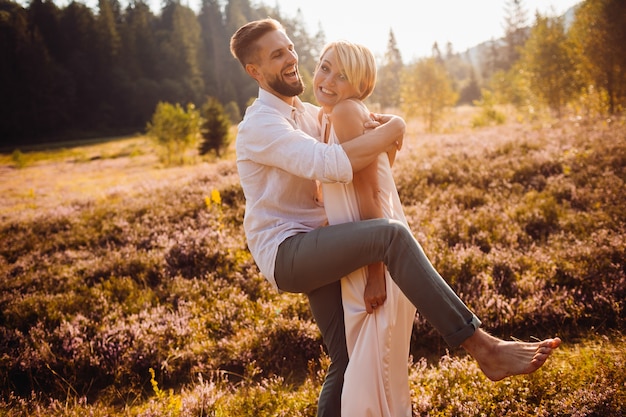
pixel 378 119
pixel 364 149
pixel 371 123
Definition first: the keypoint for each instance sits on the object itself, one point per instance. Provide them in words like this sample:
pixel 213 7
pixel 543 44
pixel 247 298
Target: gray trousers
pixel 313 263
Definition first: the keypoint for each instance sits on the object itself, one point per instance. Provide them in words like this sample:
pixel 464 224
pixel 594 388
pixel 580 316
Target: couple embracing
pixel 323 218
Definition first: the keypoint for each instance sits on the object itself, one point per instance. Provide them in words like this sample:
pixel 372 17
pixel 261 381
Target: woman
pixel 376 379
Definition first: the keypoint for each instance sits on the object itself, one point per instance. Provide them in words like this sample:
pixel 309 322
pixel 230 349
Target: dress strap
pixel 325 127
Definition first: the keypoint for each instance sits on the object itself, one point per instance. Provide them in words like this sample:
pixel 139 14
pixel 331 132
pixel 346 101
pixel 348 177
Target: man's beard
pixel 287 90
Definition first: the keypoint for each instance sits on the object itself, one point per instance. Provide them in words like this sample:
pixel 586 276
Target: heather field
pixel 126 288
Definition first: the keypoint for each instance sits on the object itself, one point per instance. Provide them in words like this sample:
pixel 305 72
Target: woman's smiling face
pixel 330 84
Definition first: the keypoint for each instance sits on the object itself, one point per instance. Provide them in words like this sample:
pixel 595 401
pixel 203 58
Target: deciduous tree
pixel 599 33
pixel 427 91
pixel 549 63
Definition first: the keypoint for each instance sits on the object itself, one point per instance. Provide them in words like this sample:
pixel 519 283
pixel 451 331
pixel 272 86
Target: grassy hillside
pixel 126 289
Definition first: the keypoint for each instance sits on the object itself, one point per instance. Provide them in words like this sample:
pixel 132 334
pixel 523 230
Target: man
pixel 280 159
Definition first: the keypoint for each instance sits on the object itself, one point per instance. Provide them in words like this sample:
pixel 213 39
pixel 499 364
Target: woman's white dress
pixel 376 381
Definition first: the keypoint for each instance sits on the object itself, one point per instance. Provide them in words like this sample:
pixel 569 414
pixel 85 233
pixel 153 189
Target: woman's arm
pixel 348 118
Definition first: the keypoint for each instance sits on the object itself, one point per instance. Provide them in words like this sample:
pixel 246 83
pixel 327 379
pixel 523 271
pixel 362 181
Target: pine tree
pixel 490 59
pixel 49 91
pixel 470 92
pixel 214 52
pixel 462 74
pixel 436 53
pixel 241 86
pixel 387 91
pixel 138 52
pixel 110 88
pixel 515 32
pixel 45 16
pixel 180 44
pixel 215 128
pixel 78 25
pixel 108 38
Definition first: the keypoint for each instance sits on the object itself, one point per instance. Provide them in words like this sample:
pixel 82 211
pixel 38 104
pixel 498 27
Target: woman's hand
pixel 375 290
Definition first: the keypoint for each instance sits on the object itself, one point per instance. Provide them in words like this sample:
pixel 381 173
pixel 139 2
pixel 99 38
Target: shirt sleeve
pixel 268 138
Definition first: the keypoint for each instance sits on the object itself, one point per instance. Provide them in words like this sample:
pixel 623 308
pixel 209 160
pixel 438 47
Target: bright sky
pixel 416 24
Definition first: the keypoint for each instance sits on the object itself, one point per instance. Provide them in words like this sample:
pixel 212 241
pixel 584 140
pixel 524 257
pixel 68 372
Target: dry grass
pixel 56 181
pixel 112 265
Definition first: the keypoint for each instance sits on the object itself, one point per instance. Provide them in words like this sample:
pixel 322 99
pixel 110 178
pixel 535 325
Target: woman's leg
pixel 309 261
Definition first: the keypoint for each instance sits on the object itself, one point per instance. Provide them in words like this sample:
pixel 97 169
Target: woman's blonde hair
pixel 358 63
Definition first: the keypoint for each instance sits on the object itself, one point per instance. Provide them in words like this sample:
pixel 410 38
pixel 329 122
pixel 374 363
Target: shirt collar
pixel 285 109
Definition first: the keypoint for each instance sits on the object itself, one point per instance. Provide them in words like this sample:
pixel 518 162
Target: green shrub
pixel 176 130
pixel 539 215
pixel 488 114
pixel 19 159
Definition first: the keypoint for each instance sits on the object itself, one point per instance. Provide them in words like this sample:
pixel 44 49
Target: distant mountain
pixel 475 54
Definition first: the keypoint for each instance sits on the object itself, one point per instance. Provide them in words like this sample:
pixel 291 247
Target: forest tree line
pixel 73 72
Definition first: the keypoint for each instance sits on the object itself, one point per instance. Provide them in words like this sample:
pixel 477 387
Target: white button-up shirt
pixel 278 163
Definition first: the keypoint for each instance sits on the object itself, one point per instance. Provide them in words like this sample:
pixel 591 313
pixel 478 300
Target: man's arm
pixel 267 138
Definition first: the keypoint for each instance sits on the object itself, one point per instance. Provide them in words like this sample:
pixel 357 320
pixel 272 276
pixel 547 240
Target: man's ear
pixel 252 71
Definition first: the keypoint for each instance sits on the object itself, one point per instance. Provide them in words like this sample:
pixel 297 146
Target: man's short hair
pixel 243 43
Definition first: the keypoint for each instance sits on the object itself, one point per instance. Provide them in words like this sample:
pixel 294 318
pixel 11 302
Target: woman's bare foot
pixel 499 359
